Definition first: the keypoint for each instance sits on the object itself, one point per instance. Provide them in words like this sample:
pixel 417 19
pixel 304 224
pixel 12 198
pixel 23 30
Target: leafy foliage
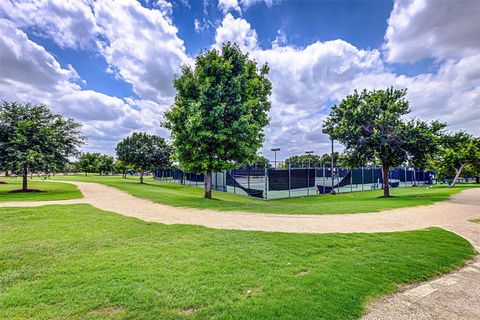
pixel 303 160
pixel 34 139
pixel 144 151
pixel 105 164
pixel 120 167
pixel 262 162
pixel 371 126
pixel 88 162
pixel 457 151
pixel 219 113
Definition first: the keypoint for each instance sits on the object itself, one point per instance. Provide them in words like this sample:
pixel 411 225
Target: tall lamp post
pixel 275 151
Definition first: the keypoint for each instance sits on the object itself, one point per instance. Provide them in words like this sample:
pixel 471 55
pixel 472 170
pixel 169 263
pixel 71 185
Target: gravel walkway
pixel 453 296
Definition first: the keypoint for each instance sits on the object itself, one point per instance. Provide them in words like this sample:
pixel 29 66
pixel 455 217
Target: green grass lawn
pixel 50 190
pixel 365 201
pixel 77 262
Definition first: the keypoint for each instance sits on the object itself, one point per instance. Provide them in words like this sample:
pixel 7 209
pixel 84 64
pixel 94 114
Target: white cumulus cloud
pixel 141 45
pixel 70 23
pixel 307 81
pixel 236 30
pixel 419 29
pixel 31 74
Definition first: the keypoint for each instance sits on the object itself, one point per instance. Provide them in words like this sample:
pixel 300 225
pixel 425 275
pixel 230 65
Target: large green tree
pixel 219 113
pixel 144 152
pixel 372 127
pixel 34 138
pixel 457 151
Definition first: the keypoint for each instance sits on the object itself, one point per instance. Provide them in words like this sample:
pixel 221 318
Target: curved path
pixel 453 296
pixel 452 214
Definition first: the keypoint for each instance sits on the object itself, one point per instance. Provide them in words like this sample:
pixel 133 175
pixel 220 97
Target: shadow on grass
pixel 26 191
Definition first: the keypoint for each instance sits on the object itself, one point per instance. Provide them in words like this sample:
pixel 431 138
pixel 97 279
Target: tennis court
pixel 298 182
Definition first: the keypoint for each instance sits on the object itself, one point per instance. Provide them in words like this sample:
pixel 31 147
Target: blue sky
pixel 110 64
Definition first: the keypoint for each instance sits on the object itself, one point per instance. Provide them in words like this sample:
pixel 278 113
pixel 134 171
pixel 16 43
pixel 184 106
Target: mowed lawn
pixel 77 262
pixel 355 202
pixel 49 190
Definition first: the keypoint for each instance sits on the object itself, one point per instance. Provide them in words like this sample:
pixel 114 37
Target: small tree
pixel 89 162
pixel 371 126
pixel 422 143
pixel 105 164
pixel 219 113
pixel 262 162
pixel 120 167
pixel 33 138
pixel 457 151
pixel 144 151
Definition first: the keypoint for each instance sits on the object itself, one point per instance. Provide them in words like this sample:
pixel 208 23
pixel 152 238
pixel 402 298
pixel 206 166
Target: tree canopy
pixel 457 151
pixel 303 160
pixel 144 151
pixel 32 138
pixel 219 112
pixel 88 162
pixel 105 164
pixel 372 126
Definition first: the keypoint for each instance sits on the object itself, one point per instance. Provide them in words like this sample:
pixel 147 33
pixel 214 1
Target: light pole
pixel 275 151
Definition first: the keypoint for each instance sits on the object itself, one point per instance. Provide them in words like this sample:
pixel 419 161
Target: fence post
pixel 266 182
pixel 323 180
pixel 308 179
pixel 289 179
pixel 362 178
pixel 234 188
pixel 373 186
pixel 225 189
pixel 351 180
pixel 248 180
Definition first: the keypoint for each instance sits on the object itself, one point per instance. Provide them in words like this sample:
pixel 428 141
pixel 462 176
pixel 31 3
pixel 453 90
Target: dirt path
pixel 453 214
pixel 453 296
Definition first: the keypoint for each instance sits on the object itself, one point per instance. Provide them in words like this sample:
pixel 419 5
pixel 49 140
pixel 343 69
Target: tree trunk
pixel 124 174
pixel 208 184
pixel 86 173
pixel 386 182
pixel 25 178
pixel 457 175
pixel 141 175
pixel 477 179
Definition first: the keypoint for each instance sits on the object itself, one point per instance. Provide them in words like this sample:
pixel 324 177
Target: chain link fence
pixel 268 182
